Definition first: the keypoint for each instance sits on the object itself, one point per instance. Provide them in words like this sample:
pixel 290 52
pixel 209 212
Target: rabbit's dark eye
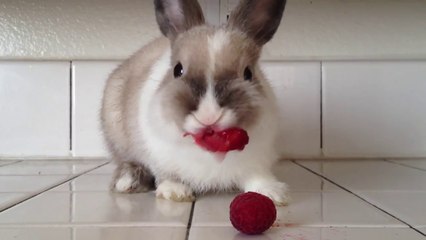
pixel 178 71
pixel 248 75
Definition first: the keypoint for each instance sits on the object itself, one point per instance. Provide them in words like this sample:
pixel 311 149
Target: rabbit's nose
pixel 209 119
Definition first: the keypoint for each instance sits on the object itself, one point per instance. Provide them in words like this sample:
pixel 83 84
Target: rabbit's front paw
pixel 277 191
pixel 175 191
pixel 131 177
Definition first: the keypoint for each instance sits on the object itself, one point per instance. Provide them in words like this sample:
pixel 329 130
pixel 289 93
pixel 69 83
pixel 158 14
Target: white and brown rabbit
pixel 196 77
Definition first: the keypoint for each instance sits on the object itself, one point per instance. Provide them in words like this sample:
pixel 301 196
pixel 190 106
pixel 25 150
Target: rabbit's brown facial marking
pixel 189 50
pixel 213 81
pixel 237 84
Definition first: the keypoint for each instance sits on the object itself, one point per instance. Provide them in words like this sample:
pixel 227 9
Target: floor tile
pixel 295 233
pixel 29 183
pixel 107 169
pixel 23 233
pixel 7 162
pixel 142 208
pixel 86 183
pixel 212 210
pixel 329 187
pixel 397 189
pixel 92 183
pixel 297 178
pixel 312 207
pixel 408 206
pixel 130 233
pixel 414 163
pixel 65 187
pixel 84 208
pixel 92 233
pixel 315 165
pixel 229 233
pixel 41 209
pixel 98 208
pixel 7 199
pixel 344 209
pixel 370 234
pixel 336 208
pixel 49 167
pixel 372 175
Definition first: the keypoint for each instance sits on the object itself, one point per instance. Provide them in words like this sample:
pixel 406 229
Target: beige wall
pixel 311 30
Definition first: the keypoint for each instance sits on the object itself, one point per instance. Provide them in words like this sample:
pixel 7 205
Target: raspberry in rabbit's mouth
pixel 221 141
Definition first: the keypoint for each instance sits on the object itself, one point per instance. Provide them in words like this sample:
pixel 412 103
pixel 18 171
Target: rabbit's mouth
pixel 221 141
pixel 198 121
pixel 209 120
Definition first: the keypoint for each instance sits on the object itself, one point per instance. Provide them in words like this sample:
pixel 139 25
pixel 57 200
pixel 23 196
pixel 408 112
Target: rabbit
pixel 194 77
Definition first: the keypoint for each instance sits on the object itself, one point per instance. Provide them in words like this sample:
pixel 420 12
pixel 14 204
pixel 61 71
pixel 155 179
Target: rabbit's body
pixel 146 113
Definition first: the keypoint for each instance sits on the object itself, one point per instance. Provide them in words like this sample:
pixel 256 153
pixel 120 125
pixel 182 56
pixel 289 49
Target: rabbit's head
pixel 215 80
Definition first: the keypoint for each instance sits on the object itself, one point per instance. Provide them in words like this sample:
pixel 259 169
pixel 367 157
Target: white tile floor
pixel 332 200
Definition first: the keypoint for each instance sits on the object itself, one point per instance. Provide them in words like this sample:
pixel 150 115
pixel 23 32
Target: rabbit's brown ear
pixel 259 19
pixel 177 16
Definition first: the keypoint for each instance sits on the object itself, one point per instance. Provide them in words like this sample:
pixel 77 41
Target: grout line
pixel 54 158
pixel 174 225
pixel 191 215
pixel 12 163
pixel 50 188
pixel 70 209
pixel 358 196
pixel 405 165
pixel 42 175
pixel 73 233
pixel 322 196
pixel 94 225
pixel 72 106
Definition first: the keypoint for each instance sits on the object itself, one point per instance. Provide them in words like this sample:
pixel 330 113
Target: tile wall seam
pixel 321 109
pixel 71 108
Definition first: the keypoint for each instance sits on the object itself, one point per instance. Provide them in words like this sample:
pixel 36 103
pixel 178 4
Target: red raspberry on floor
pixel 252 213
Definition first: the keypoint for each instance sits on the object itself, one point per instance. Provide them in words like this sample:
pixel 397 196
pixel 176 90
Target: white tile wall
pixel 297 87
pixel 89 82
pixel 370 109
pixel 374 109
pixel 34 108
pixel 310 29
